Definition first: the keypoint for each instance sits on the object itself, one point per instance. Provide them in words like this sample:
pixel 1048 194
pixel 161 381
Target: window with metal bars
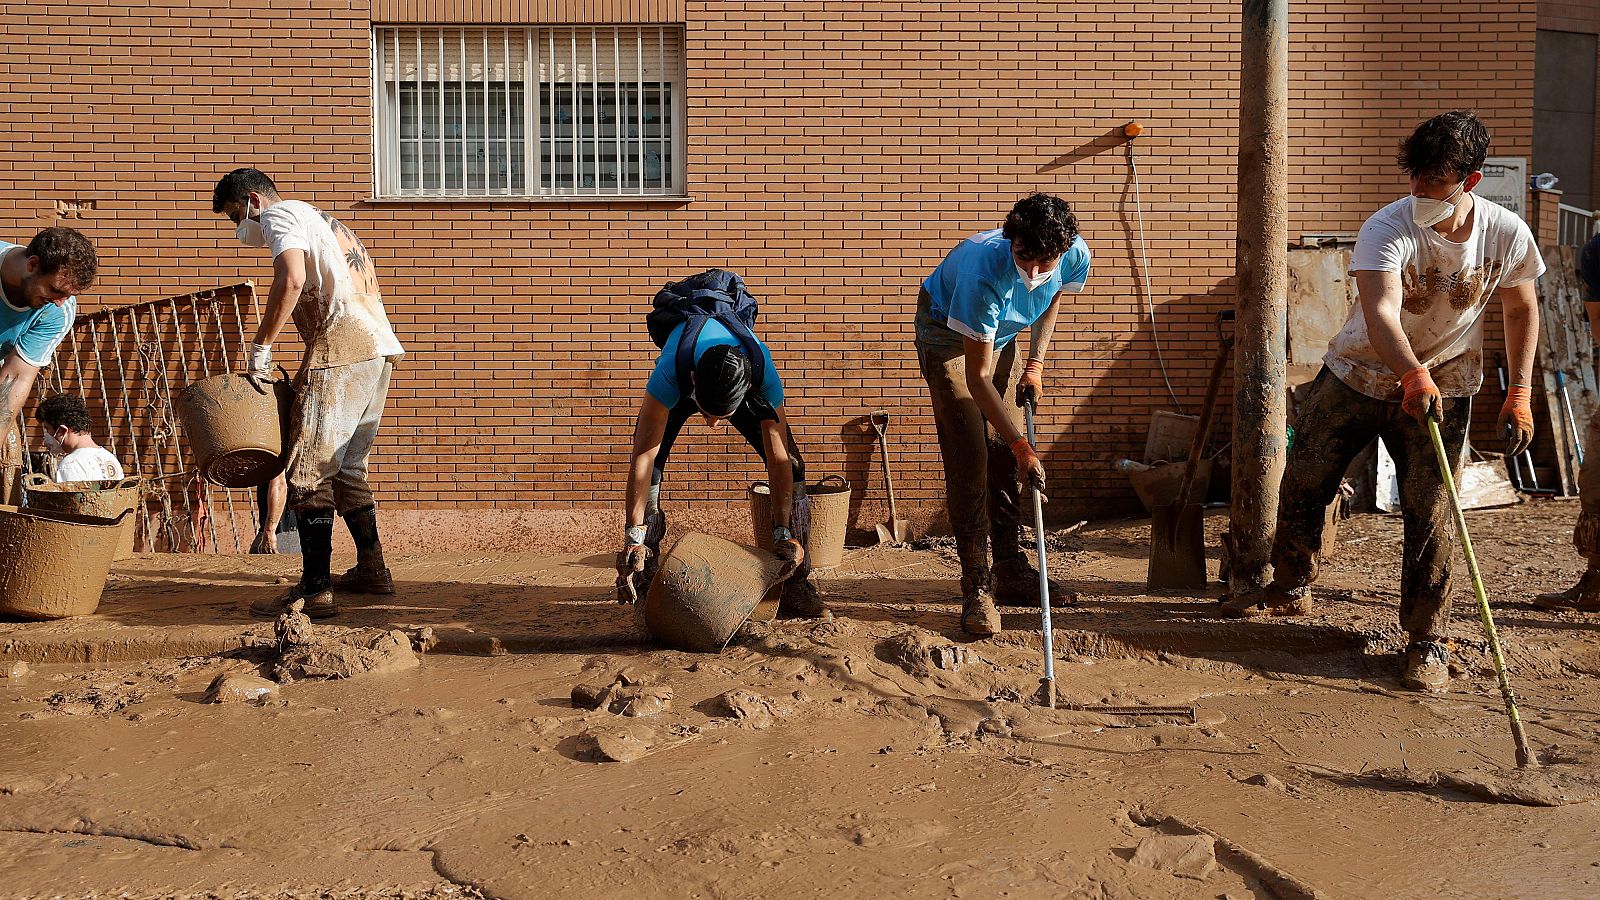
pixel 570 111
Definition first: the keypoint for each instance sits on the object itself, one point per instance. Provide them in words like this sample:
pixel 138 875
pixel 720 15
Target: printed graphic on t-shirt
pixel 1462 290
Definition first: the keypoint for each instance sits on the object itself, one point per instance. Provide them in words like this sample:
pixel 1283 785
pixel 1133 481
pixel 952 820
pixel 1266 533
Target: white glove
pixel 258 360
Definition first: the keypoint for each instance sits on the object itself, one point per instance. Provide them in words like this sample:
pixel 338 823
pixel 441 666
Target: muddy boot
pixel 1583 596
pixel 1276 600
pixel 369 575
pixel 1427 667
pixel 979 616
pixel 799 599
pixel 316 552
pixel 1016 583
pixel 319 604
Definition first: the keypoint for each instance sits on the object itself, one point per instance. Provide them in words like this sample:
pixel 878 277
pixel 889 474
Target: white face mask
pixel 250 232
pixel 54 445
pixel 1428 212
pixel 1035 282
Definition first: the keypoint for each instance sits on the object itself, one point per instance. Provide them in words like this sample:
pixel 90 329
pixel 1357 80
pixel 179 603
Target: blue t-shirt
pixel 663 384
pixel 977 291
pixel 33 333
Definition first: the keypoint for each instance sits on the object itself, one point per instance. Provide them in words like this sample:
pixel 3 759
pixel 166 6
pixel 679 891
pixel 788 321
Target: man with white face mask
pixel 1426 268
pixel 323 279
pixel 64 419
pixel 990 288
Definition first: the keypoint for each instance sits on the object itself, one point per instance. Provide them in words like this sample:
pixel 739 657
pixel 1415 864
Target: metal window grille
pixel 569 111
pixel 1575 226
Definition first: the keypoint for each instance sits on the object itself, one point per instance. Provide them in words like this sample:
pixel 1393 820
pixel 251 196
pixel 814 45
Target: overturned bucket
pixel 105 499
pixel 704 589
pixel 235 429
pixel 830 517
pixel 57 562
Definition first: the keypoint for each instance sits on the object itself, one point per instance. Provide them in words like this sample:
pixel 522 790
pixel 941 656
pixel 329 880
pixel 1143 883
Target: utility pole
pixel 1262 274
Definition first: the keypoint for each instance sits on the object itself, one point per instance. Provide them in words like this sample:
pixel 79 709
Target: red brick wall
pixel 836 152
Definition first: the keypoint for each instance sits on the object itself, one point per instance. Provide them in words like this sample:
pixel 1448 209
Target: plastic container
pixel 99 499
pixel 830 518
pixel 236 431
pixel 56 563
pixel 704 589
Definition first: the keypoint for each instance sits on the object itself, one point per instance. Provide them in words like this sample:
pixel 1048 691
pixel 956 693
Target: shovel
pixel 895 531
pixel 1177 529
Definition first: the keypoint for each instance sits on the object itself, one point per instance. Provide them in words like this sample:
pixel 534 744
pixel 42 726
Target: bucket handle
pixel 836 479
pixel 759 484
pixel 132 481
pixel 34 480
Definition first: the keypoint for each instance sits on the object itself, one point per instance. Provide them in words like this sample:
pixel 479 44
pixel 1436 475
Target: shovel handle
pixel 1049 680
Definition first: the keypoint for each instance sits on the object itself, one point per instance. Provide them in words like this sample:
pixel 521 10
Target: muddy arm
pixel 16 381
pixel 1521 306
pixel 780 468
pixel 288 280
pixel 980 382
pixel 647 435
pixel 1380 304
pixel 1043 328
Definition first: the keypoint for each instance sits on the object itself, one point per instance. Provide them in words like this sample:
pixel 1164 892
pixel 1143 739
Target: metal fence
pixel 1575 226
pixel 129 363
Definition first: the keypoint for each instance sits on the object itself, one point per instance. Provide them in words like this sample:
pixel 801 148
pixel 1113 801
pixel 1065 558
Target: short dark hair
pixel 1449 144
pixel 238 185
pixel 64 409
pixel 65 248
pixel 721 379
pixel 1041 227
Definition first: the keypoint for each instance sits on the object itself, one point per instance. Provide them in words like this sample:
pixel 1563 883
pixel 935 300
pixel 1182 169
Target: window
pixel 585 111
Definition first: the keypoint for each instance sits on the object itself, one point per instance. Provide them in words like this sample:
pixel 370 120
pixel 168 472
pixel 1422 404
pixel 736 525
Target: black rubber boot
pixel 316 549
pixel 370 575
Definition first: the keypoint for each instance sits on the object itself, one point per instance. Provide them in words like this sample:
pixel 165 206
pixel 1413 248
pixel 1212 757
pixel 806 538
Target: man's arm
pixel 1521 307
pixel 780 467
pixel 288 280
pixel 1030 386
pixel 16 382
pixel 1380 304
pixel 980 383
pixel 647 434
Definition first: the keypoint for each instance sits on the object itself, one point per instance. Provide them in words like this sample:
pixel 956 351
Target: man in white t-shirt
pixel 1426 268
pixel 323 279
pixel 64 419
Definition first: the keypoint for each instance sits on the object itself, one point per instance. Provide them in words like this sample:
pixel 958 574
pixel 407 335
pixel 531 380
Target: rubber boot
pixel 1583 596
pixel 979 616
pixel 799 597
pixel 1016 581
pixel 1427 667
pixel 316 555
pixel 369 575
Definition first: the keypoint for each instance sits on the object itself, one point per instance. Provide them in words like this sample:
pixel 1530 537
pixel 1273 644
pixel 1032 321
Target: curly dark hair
pixel 1451 144
pixel 65 248
pixel 1040 227
pixel 237 186
pixel 721 380
pixel 64 409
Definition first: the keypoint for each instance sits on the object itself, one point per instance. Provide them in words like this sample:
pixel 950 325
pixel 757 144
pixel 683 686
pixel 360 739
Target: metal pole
pixel 1048 683
pixel 1262 266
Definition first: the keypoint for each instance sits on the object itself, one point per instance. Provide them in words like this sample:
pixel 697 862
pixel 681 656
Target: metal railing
pixel 128 362
pixel 1575 226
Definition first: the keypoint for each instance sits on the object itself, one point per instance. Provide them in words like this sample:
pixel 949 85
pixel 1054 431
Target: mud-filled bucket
pixel 106 499
pixel 704 589
pixel 830 516
pixel 56 563
pixel 235 429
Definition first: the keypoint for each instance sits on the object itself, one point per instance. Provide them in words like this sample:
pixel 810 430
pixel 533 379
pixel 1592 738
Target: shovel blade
pixel 901 530
pixel 886 535
pixel 1177 548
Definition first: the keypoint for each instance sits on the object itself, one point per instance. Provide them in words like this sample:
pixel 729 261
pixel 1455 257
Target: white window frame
pixel 540 47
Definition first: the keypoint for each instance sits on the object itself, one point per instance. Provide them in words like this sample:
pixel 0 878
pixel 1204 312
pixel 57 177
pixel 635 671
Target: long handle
pixel 1572 421
pixel 1524 755
pixel 1202 432
pixel 1044 577
pixel 883 452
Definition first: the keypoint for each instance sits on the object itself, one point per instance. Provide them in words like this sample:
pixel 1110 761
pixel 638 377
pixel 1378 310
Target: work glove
pixel 258 366
pixel 630 571
pixel 1516 419
pixel 1422 397
pixel 791 554
pixel 1030 387
pixel 1030 471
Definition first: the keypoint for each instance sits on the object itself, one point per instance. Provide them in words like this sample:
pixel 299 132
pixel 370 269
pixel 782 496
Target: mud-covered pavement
pixel 872 754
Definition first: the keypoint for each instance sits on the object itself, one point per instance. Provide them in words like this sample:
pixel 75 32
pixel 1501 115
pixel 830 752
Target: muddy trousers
pixel 1586 536
pixel 1333 426
pixel 747 421
pixel 982 495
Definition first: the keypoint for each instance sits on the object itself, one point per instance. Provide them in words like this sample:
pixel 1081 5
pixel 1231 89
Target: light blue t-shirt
pixel 977 291
pixel 33 333
pixel 663 384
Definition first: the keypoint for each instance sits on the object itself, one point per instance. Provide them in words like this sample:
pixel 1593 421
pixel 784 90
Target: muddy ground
pixel 877 754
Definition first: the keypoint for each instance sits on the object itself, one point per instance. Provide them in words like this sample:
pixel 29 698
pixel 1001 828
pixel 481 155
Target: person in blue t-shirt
pixel 37 308
pixel 992 287
pixel 719 390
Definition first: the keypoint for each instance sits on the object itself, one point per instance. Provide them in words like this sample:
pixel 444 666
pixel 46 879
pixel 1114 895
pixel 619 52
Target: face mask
pixel 53 444
pixel 1035 282
pixel 1428 212
pixel 250 232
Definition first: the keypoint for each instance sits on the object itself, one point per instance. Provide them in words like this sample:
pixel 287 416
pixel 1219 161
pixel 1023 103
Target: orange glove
pixel 1516 419
pixel 1422 396
pixel 1029 469
pixel 1030 387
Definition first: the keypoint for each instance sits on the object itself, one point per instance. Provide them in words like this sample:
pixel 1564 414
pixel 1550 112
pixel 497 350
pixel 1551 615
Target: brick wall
pixel 836 152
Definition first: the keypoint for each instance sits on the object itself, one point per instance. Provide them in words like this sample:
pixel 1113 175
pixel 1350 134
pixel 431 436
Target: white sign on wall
pixel 1505 181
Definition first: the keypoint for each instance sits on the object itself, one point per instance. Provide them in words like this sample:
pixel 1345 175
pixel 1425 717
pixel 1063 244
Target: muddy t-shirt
pixel 339 315
pixel 1445 288
pixel 88 464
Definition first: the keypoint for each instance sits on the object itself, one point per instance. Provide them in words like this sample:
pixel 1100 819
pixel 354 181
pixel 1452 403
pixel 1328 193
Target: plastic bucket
pixel 830 516
pixel 56 562
pixel 235 430
pixel 100 499
pixel 704 589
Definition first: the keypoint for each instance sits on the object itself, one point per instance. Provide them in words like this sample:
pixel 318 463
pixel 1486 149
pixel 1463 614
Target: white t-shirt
pixel 89 464
pixel 339 315
pixel 1445 289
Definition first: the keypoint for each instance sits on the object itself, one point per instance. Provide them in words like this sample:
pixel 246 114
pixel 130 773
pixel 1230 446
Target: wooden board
pixel 1567 345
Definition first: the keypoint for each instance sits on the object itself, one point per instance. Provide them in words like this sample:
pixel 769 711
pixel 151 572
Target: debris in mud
pixel 628 693
pixel 329 651
pixel 920 653
pixel 17 669
pixel 1541 786
pixel 240 687
pixel 424 640
pixel 1183 855
pixel 615 744
pixel 96 699
pixel 1267 781
pixel 749 708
